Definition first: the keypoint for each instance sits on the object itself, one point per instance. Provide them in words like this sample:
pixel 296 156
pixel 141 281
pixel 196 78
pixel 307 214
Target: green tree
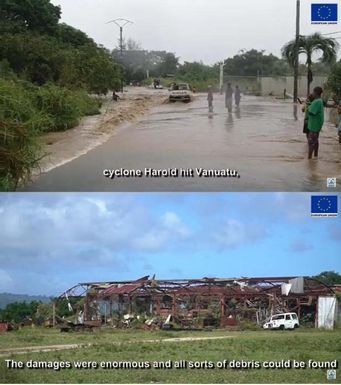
pixel 36 15
pixel 329 277
pixel 44 310
pixel 197 71
pixel 137 61
pixel 73 36
pixel 133 45
pixel 169 65
pixel 334 80
pixel 253 63
pixel 18 311
pixel 308 45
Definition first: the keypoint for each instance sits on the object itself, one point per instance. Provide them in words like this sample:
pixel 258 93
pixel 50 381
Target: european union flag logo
pixel 324 13
pixel 324 205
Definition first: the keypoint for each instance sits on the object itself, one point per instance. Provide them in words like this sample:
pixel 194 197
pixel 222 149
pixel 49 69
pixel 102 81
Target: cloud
pixel 87 230
pixel 51 241
pixel 335 232
pixel 172 222
pixel 168 230
pixel 234 233
pixel 6 281
pixel 299 246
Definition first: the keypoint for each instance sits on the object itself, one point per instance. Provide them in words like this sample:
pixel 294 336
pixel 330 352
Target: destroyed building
pixel 217 302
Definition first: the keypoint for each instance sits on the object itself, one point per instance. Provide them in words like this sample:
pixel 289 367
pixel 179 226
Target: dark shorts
pixel 313 138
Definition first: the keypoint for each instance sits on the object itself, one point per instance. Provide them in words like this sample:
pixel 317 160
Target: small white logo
pixel 331 182
pixel 331 374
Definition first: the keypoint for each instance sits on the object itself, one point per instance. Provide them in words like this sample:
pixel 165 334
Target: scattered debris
pixel 149 303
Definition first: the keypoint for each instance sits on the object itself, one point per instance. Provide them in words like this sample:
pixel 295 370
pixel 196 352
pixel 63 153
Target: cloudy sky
pixel 49 242
pixel 207 30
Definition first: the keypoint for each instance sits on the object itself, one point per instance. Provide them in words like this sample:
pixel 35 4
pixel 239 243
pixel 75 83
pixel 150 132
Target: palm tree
pixel 309 45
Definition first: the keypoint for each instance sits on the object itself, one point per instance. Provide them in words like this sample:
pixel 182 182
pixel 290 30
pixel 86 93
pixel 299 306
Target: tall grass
pixel 63 106
pixel 27 111
pixel 19 126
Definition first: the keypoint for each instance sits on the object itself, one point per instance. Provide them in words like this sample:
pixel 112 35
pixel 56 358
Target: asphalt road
pixel 262 141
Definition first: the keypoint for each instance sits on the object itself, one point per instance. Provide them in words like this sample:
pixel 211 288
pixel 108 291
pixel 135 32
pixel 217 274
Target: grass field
pixel 131 345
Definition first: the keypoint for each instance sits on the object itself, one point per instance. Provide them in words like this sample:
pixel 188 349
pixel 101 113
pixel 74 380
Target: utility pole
pixel 121 23
pixel 296 58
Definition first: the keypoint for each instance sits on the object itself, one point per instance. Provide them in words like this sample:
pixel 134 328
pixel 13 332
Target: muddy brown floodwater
pixel 262 140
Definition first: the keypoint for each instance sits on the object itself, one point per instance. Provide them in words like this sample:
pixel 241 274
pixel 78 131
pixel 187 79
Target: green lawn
pixel 300 345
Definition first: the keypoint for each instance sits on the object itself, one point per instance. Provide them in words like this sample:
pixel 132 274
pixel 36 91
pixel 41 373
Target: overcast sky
pixel 207 30
pixel 50 242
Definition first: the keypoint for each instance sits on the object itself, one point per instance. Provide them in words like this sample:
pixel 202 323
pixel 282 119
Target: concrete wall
pixel 249 83
pixel 274 85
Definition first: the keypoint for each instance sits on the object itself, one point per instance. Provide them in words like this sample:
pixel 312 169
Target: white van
pixel 283 321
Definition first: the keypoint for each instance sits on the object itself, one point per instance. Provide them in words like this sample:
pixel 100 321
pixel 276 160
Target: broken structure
pixel 204 302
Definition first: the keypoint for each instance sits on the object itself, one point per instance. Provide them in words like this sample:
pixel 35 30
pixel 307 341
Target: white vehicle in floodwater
pixel 182 92
pixel 282 321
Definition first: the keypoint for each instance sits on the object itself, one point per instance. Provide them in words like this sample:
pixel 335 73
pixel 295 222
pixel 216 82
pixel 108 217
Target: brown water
pixel 262 140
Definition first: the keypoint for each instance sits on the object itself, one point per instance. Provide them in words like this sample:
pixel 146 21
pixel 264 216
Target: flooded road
pixel 262 141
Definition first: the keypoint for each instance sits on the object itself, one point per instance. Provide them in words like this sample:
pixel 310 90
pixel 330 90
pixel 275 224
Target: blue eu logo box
pixel 324 205
pixel 322 13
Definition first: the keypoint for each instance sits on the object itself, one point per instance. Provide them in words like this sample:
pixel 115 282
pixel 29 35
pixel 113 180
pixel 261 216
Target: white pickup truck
pixel 182 92
pixel 282 321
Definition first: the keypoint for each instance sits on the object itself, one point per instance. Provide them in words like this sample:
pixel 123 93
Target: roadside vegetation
pixel 48 72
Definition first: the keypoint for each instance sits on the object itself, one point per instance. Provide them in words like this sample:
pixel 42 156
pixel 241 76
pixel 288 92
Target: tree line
pixel 38 311
pixel 36 47
pixel 140 65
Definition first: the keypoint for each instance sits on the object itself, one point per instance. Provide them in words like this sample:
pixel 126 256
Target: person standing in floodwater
pixel 115 97
pixel 210 99
pixel 305 108
pixel 315 122
pixel 228 97
pixel 237 96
